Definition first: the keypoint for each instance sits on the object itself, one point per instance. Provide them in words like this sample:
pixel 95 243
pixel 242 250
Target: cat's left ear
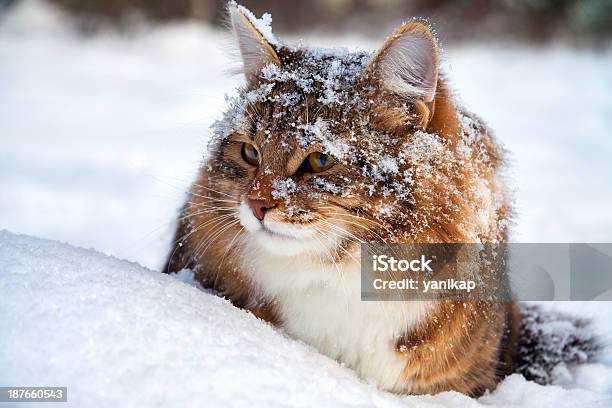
pixel 255 49
pixel 407 64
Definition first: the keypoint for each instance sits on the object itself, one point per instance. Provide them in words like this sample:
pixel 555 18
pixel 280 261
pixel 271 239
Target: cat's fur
pixel 412 166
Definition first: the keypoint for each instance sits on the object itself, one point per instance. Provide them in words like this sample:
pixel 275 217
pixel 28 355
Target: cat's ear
pixel 255 49
pixel 407 64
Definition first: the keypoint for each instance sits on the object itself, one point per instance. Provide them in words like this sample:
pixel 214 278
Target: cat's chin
pixel 285 246
pixel 283 239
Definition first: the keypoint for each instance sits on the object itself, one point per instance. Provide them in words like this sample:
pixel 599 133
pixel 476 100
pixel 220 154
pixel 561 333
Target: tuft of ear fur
pixel 255 49
pixel 407 64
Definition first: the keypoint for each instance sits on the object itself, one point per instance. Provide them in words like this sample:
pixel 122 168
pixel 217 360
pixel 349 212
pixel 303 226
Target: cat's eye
pixel 317 162
pixel 250 154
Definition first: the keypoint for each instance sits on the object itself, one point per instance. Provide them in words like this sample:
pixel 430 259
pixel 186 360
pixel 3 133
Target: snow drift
pixel 117 334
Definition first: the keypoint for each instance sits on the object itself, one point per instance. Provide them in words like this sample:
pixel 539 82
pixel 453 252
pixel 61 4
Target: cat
pixel 323 150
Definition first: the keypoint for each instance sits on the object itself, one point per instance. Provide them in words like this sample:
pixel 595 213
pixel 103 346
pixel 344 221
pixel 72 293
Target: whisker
pixel 367 229
pixel 339 245
pixel 206 211
pixel 213 238
pixel 208 206
pixel 346 214
pixel 229 246
pixel 224 200
pixel 213 190
pixel 368 220
pixel 178 242
pixel 337 227
pixel 338 269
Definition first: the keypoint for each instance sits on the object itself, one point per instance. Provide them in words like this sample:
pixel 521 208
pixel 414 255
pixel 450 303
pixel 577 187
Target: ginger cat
pixel 323 150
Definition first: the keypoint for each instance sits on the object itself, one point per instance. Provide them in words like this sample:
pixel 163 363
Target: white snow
pixel 263 24
pixel 100 137
pixel 282 189
pixel 121 335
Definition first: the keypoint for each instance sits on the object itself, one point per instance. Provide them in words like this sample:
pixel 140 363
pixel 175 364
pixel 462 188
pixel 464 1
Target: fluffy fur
pixel 411 166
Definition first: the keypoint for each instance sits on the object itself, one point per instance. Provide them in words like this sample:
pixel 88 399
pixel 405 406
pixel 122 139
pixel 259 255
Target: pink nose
pixel 259 207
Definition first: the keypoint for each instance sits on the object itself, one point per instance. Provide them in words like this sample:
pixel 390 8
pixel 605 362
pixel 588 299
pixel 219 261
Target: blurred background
pixel 105 106
pixel 534 20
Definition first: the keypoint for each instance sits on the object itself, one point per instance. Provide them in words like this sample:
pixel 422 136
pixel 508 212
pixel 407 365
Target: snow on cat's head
pixel 328 148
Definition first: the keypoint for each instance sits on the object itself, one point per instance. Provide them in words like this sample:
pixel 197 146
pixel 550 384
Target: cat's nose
pixel 259 207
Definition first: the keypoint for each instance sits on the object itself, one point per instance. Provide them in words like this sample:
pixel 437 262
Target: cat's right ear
pixel 255 49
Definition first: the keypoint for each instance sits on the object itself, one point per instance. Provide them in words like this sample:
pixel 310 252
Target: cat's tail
pixel 551 342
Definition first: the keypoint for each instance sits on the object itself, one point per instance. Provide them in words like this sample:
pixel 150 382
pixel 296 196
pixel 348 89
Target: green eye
pixel 318 162
pixel 250 154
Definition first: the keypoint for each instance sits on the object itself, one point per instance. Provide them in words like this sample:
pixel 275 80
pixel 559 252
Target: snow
pixel 118 334
pixel 263 24
pixel 102 135
pixel 281 189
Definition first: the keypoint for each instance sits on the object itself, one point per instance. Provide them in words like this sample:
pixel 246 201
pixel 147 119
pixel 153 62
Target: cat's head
pixel 324 148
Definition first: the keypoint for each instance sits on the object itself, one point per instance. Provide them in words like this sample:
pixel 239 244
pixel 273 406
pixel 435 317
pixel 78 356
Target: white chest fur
pixel 321 305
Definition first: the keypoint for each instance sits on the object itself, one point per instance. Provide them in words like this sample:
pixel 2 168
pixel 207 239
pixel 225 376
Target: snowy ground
pixel 124 336
pixel 100 136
